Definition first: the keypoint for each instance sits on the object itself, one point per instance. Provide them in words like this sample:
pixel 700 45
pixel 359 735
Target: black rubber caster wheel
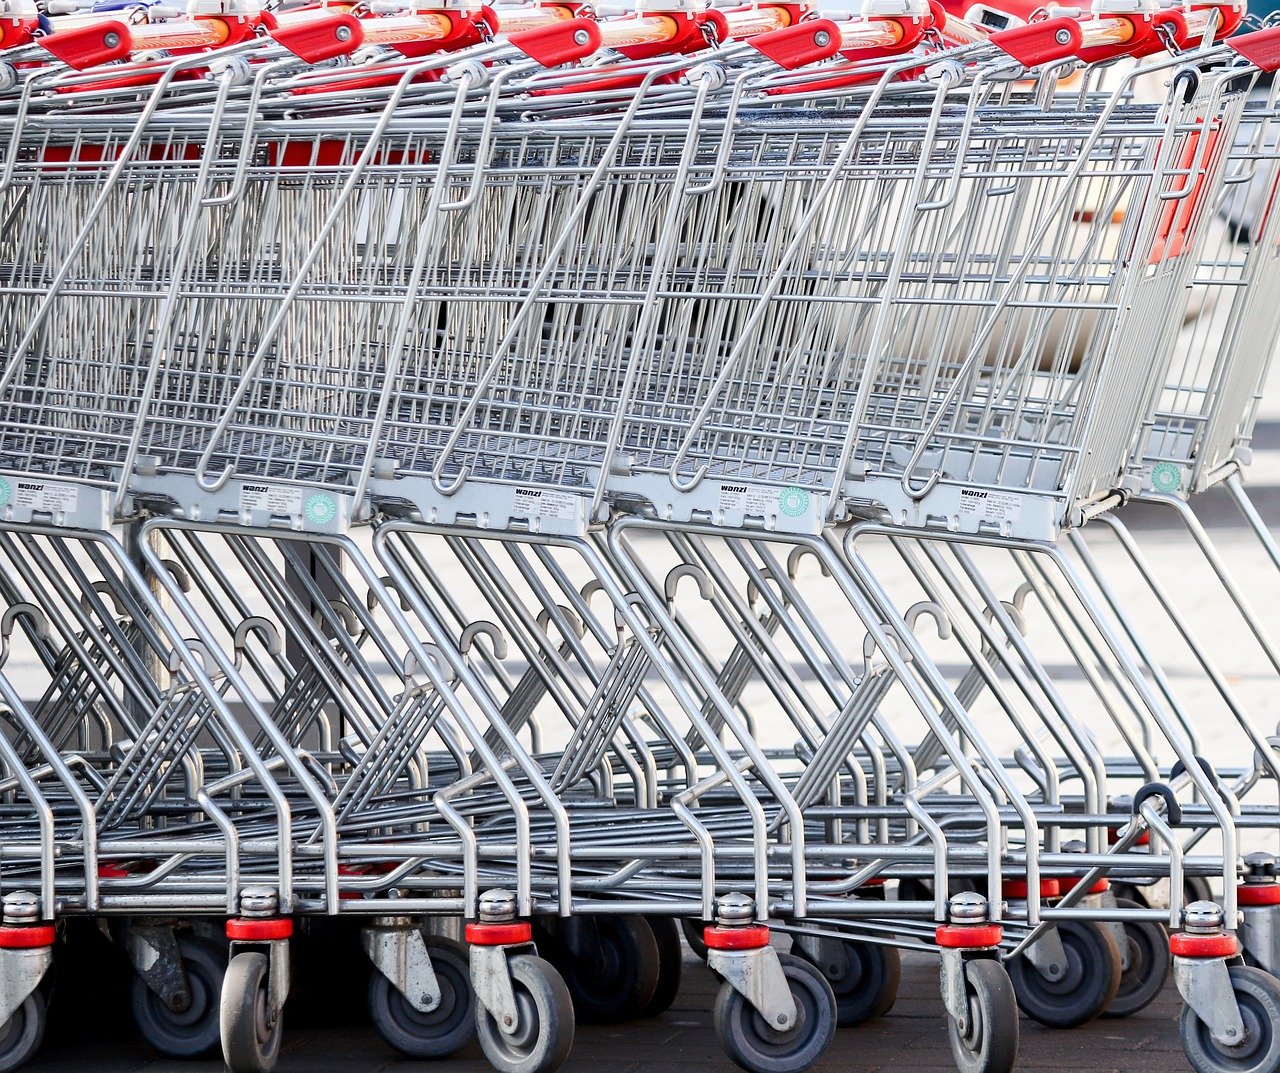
pixel 22 1034
pixel 250 1039
pixel 988 1042
pixel 617 982
pixel 1149 965
pixel 693 930
pixel 191 1032
pixel 1258 994
pixel 441 1032
pixel 759 1048
pixel 864 981
pixel 543 1034
pixel 1088 983
pixel 666 933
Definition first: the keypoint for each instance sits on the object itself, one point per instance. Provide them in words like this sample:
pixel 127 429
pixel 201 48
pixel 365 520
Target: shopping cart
pixel 453 295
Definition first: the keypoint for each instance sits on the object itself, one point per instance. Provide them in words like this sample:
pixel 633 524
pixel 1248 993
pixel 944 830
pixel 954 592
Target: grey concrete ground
pixel 911 1038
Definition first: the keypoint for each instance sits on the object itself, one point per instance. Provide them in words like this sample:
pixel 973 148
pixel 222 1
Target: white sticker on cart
pixel 278 500
pixel 540 503
pixel 752 500
pixel 44 497
pixel 988 506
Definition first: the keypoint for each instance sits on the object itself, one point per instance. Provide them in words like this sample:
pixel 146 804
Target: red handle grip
pixel 564 42
pixel 1262 48
pixel 797 46
pixel 315 40
pixel 89 46
pixel 1040 42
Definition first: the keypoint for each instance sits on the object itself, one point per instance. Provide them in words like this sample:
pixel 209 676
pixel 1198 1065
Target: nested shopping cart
pixel 486 309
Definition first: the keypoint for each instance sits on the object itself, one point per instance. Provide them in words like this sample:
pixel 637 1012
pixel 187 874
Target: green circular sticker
pixel 6 490
pixel 1166 477
pixel 320 509
pixel 793 502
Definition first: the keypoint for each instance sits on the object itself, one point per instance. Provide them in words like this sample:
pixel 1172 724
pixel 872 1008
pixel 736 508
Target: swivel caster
pixel 524 1014
pixel 1257 994
pixel 26 953
pixel 1231 1021
pixel 250 1031
pixel 775 1013
pixel 432 1025
pixel 1070 981
pixel 185 1026
pixel 250 1013
pixel 986 1040
pixel 541 1035
pixel 982 1012
pixel 864 976
pixel 757 1046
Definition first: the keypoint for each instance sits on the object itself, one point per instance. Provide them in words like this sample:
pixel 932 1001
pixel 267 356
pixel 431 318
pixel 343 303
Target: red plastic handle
pixel 89 46
pixel 1262 48
pixel 797 46
pixel 17 32
pixel 563 42
pixel 1040 42
pixel 315 40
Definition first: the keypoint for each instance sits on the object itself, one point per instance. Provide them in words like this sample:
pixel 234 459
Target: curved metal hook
pixel 412 665
pixel 438 483
pixel 197 648
pixel 25 610
pixel 674 477
pixel 28 611
pixel 179 573
pixel 372 599
pixel 632 599
pixel 215 484
pixel 798 553
pixel 684 570
pixel 590 589
pixel 1021 593
pixel 575 623
pixel 935 611
pixel 869 646
pixel 1013 610
pixel 350 621
pixel 491 630
pixel 264 628
pixel 113 597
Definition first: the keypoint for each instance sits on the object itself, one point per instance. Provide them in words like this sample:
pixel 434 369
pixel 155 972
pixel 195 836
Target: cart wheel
pixel 670 963
pixel 989 1042
pixel 21 1035
pixel 446 1029
pixel 759 1048
pixel 1149 964
pixel 865 982
pixel 544 1034
pixel 693 930
pixel 619 985
pixel 1258 994
pixel 1130 892
pixel 192 1032
pixel 249 1043
pixel 1085 989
